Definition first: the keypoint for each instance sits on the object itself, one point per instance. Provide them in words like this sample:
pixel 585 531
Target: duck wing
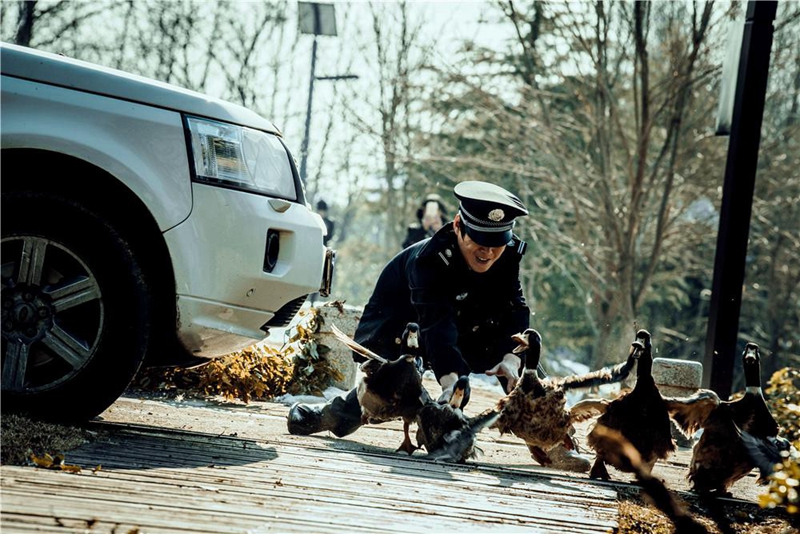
pixel 459 443
pixel 765 452
pixel 606 375
pixel 356 347
pixel 587 409
pixel 692 412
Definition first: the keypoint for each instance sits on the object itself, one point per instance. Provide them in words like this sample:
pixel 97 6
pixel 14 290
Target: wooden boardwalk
pixel 157 481
pixel 198 467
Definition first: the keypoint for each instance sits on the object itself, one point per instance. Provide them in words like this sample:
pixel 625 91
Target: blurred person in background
pixel 330 225
pixel 431 216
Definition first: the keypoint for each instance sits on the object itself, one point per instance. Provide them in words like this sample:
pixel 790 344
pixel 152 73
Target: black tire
pixel 75 309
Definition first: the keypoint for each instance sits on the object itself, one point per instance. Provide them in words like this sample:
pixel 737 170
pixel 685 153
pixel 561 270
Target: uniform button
pixel 397 340
pixel 475 328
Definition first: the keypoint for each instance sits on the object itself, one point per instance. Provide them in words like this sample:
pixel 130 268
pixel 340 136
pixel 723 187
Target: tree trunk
pixel 27 17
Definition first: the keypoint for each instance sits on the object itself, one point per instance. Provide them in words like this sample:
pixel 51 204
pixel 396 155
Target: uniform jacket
pixel 466 318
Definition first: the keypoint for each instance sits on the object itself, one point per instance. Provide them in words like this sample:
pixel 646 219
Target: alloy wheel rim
pixel 52 314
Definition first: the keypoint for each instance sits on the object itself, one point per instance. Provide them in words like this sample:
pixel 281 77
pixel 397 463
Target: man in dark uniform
pixel 462 287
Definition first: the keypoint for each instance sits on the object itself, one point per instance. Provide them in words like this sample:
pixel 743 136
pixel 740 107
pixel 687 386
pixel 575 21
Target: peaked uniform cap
pixel 488 212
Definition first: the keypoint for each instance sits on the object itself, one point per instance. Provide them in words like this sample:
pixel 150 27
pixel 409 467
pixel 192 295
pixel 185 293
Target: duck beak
pixel 457 398
pixel 413 340
pixel 523 343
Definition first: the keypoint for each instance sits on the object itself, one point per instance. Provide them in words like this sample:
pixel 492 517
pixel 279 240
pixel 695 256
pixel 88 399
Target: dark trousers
pixel 342 415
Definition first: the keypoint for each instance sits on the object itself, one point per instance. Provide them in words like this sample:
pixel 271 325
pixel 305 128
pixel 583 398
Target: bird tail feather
pixel 606 375
pixel 459 442
pixel 355 346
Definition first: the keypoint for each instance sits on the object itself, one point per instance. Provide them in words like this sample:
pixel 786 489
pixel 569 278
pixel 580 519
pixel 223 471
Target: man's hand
pixel 508 368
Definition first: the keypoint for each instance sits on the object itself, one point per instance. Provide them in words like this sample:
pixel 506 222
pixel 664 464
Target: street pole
pixel 304 145
pixel 737 198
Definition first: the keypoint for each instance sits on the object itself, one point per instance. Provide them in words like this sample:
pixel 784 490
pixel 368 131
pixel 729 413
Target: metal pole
pixel 737 198
pixel 304 146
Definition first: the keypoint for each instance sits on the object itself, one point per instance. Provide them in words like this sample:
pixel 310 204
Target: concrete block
pixel 346 319
pixel 677 378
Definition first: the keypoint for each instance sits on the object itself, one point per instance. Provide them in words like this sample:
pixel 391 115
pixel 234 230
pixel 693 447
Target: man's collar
pixel 444 237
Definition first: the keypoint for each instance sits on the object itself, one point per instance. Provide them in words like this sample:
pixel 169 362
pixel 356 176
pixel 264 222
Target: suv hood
pixel 38 66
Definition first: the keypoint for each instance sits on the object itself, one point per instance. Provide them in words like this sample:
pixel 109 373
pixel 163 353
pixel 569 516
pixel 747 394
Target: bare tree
pixel 602 128
pixel 42 24
pixel 396 53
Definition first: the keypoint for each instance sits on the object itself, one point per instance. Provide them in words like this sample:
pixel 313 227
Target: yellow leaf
pixel 70 468
pixel 45 461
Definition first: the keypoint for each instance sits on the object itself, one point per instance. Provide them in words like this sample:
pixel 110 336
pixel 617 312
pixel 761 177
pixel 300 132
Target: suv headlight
pixel 240 158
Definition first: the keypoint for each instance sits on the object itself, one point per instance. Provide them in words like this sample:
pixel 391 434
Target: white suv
pixel 138 219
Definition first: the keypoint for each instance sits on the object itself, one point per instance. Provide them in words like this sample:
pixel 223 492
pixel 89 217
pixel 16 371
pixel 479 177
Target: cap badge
pixel 496 215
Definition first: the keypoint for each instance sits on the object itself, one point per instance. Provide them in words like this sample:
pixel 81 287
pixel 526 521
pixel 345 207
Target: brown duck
pixel 390 389
pixel 721 457
pixel 622 453
pixel 535 410
pixel 640 415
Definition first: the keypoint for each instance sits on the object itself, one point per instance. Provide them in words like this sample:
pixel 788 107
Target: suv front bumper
pixel 224 294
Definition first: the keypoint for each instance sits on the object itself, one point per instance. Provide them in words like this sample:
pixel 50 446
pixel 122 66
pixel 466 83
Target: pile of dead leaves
pixel 259 372
pixel 783 394
pixel 312 371
pixel 255 373
pixel 23 438
pixel 784 483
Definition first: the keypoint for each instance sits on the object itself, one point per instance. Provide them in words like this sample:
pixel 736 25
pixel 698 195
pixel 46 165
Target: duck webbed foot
pixel 599 470
pixel 539 455
pixel 406 446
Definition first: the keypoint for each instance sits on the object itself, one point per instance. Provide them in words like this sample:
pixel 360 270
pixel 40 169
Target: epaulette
pixel 519 245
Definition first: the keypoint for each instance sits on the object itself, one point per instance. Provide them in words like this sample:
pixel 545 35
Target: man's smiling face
pixel 478 257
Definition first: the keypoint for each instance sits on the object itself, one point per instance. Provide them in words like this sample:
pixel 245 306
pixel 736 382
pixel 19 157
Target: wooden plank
pixel 164 479
pixel 315 515
pixel 375 469
pixel 336 485
pixel 204 498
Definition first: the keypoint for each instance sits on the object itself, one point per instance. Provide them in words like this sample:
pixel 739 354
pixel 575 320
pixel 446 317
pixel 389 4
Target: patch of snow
pixel 489 383
pixel 563 367
pixel 327 395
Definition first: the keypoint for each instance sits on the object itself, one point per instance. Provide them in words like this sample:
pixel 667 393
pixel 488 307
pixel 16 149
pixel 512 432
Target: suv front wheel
pixel 75 309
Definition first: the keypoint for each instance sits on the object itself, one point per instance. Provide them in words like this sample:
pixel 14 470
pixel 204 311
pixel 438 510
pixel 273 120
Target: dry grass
pixel 22 436
pixel 638 516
